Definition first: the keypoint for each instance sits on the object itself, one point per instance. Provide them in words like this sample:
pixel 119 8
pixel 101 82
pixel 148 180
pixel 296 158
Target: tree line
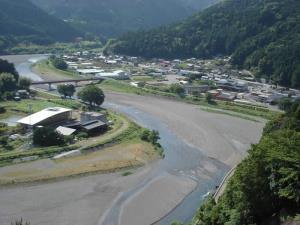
pixel 10 81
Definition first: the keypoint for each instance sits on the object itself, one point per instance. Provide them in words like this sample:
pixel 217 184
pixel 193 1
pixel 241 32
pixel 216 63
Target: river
pixel 182 159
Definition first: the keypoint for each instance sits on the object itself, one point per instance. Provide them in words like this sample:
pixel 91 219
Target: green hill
pixel 261 35
pixel 110 18
pixel 23 22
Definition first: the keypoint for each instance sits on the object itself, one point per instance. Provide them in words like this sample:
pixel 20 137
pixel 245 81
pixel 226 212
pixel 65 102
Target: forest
pixel 21 22
pixel 260 35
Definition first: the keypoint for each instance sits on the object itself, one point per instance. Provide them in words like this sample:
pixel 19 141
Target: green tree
pixel 209 97
pixel 8 84
pixel 150 136
pixel 45 136
pixel 177 89
pixel 24 83
pixel 66 90
pixel 92 94
pixel 285 104
pixel 6 67
pixel 58 63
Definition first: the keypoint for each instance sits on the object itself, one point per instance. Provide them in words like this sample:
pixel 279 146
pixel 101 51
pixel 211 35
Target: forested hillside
pixel 110 18
pixel 265 188
pixel 23 22
pixel 261 35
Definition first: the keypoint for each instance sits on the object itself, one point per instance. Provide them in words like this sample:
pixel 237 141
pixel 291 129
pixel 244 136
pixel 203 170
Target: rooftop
pixel 40 116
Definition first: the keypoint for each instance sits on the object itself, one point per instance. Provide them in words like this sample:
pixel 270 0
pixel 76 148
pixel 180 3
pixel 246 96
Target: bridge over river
pixel 75 81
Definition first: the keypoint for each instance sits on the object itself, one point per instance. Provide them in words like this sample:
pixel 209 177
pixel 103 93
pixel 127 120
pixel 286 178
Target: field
pixel 143 78
pixel 34 105
pixel 125 87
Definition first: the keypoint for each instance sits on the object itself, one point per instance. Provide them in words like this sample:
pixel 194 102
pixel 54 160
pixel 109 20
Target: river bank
pixel 200 148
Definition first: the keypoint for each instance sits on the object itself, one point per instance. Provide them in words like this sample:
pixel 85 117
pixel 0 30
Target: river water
pixel 181 159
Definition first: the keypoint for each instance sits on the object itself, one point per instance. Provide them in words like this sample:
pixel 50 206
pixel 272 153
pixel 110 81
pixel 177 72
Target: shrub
pixel 45 136
pixel 82 135
pixel 3 140
pixel 2 109
pixel 150 136
pixel 127 173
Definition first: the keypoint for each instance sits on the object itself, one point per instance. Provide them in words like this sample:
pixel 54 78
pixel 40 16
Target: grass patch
pixel 69 103
pixel 247 110
pixel 13 107
pixel 143 78
pixel 9 157
pixel 229 114
pixel 45 95
pixel 45 67
pixel 127 173
pixel 121 86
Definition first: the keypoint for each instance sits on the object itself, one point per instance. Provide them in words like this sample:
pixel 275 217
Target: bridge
pixel 75 81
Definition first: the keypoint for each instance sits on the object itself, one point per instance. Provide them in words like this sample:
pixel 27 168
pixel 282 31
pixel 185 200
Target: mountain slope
pixel 110 18
pixel 22 21
pixel 262 35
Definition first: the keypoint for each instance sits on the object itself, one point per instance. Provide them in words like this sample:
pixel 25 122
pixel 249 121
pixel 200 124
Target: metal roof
pixel 93 124
pixel 40 116
pixel 66 131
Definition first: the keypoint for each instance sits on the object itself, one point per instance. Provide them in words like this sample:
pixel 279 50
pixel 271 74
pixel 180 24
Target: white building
pixel 48 116
pixel 118 74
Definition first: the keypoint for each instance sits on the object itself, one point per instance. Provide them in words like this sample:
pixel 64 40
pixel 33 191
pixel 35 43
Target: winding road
pixel 200 148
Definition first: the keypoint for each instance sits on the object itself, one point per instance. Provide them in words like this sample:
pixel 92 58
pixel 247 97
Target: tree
pixel 92 94
pixel 285 104
pixel 177 89
pixel 209 97
pixel 7 84
pixel 24 83
pixel 66 90
pixel 150 136
pixel 58 63
pixel 45 136
pixel 6 67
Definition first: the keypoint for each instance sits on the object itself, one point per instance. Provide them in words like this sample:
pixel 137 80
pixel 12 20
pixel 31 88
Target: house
pixel 65 131
pixel 118 74
pixel 89 71
pixel 94 126
pixel 90 116
pixel 48 116
pixel 195 90
pixel 232 85
pixel 226 96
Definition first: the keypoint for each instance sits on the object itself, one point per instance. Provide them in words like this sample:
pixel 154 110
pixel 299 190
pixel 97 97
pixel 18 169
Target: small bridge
pixel 75 81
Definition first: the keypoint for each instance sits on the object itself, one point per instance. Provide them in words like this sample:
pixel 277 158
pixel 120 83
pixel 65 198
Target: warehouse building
pixel 48 116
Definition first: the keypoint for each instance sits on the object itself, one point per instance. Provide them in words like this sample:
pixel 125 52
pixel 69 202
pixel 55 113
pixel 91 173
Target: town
pixel 193 77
